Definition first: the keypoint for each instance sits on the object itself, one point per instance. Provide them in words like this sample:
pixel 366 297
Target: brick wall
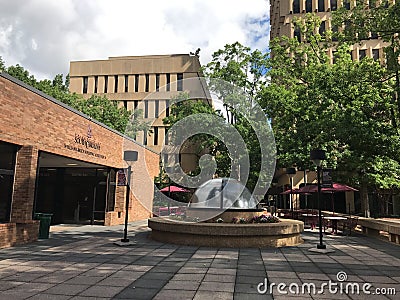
pixel 24 184
pixel 12 234
pixel 37 123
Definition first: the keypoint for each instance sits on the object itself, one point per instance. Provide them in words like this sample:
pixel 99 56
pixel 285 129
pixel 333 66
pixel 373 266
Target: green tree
pixel 343 108
pixel 380 19
pixel 2 65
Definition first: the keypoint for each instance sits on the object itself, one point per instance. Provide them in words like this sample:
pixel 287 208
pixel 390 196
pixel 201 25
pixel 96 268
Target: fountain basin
pixel 284 233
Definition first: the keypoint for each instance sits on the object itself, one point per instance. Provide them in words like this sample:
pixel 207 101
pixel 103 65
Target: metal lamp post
pixel 129 156
pixel 317 156
pixel 291 172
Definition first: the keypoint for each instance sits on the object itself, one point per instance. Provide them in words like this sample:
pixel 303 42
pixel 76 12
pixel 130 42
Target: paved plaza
pixel 82 262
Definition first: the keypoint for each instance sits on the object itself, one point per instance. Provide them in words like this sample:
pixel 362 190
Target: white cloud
pixel 45 35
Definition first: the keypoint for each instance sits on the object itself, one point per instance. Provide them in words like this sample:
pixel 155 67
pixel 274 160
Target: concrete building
pixel 54 159
pixel 142 82
pixel 283 11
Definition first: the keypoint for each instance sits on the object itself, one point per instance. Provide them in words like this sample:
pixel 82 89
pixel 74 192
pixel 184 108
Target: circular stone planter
pixel 284 233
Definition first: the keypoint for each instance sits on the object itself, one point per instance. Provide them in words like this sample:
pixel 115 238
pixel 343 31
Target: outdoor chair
pixel 350 224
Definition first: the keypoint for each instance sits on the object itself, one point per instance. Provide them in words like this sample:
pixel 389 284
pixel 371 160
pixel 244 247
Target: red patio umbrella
pixel 174 189
pixel 336 188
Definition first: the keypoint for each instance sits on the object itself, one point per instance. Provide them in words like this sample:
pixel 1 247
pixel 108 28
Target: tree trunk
pixel 364 200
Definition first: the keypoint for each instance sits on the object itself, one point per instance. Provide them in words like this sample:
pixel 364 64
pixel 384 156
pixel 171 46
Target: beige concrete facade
pixel 283 12
pixel 140 82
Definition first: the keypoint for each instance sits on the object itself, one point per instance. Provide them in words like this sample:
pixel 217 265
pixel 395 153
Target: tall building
pixel 141 82
pixel 283 11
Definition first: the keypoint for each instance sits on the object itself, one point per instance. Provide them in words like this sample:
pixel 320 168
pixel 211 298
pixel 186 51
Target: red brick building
pixel 54 159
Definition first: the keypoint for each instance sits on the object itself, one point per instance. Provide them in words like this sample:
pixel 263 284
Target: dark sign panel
pixel 121 177
pixel 326 178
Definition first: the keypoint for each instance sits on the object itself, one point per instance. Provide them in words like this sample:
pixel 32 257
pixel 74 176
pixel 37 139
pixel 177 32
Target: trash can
pixel 44 226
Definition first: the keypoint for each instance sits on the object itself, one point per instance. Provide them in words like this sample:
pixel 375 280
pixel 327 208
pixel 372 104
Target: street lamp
pixel 129 156
pixel 291 172
pixel 317 156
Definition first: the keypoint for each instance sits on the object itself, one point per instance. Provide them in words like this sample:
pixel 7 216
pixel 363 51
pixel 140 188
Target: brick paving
pixel 81 262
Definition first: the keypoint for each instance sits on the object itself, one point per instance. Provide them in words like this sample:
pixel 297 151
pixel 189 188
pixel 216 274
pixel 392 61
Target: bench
pixel 374 228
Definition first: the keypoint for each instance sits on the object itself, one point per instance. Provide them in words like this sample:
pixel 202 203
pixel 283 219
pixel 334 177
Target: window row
pixel 156 137
pixel 359 54
pixel 308 6
pixel 132 83
pixel 151 108
pixel 326 26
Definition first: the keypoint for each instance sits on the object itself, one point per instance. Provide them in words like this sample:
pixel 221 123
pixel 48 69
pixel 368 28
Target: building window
pixel 126 83
pixel 105 84
pixel 334 56
pixel 136 83
pixel 7 167
pixel 145 137
pixel 374 35
pixel 155 137
pixel 334 33
pixel 296 6
pixel 157 82
pixel 166 136
pixel 308 6
pixel 346 4
pixel 96 83
pixel 116 84
pixel 135 104
pixel 126 104
pixel 167 108
pixel 321 5
pixel 156 108
pixel 85 84
pixel 333 5
pixel 375 54
pixel 168 82
pixel 351 54
pixel 180 82
pixel 147 78
pixel 297 34
pixel 362 54
pixel 322 28
pixel 146 109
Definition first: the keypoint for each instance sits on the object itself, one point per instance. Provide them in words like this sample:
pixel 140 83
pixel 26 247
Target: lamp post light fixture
pixel 291 172
pixel 129 156
pixel 317 156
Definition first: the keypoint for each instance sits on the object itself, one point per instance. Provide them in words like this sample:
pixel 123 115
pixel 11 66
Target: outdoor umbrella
pixel 336 188
pixel 174 189
pixel 295 191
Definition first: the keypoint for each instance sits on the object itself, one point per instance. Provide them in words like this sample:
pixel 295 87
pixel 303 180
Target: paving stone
pixel 217 286
pixel 101 291
pixel 244 296
pixel 219 278
pixel 137 293
pixel 182 285
pixel 43 296
pixel 207 295
pixel 67 289
pixel 173 295
pixel 88 280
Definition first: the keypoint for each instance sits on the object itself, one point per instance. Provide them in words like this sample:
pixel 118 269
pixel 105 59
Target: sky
pixel 43 36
